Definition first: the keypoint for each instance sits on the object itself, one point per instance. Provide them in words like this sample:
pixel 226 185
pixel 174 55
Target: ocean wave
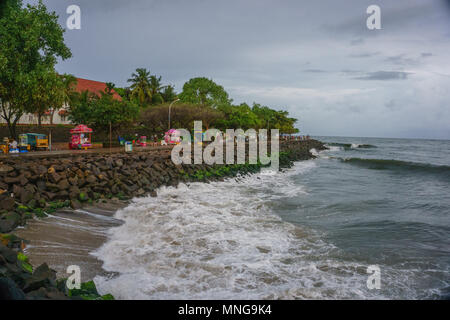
pixel 334 148
pixel 398 165
pixel 223 241
pixel 349 146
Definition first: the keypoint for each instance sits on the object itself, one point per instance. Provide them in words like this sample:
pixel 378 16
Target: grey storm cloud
pixel 280 53
pixel 364 55
pixel 401 59
pixel 314 70
pixel 385 75
pixel 356 42
pixel 405 60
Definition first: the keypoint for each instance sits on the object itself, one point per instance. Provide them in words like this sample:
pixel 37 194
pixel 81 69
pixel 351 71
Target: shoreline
pixel 54 241
pixel 68 237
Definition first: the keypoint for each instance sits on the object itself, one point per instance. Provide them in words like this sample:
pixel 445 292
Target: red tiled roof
pixel 94 87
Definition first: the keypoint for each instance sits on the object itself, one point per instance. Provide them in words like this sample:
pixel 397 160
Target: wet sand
pixel 68 237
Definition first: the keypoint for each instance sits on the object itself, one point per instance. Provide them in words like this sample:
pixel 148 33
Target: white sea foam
pixel 314 152
pixel 221 240
pixel 334 148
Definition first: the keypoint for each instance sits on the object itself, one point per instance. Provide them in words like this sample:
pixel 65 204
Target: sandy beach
pixel 67 237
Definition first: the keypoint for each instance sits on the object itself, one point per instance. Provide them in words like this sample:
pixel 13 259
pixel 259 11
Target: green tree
pixel 106 110
pixel 183 115
pixel 274 119
pixel 100 111
pixel 7 5
pixel 140 86
pixel 66 91
pixel 80 107
pixel 46 93
pixel 155 89
pixel 204 91
pixel 110 87
pixel 124 93
pixel 31 41
pixel 169 93
pixel 236 117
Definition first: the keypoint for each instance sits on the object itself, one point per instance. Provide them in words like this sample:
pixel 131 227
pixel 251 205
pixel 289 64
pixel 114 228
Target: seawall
pixel 33 186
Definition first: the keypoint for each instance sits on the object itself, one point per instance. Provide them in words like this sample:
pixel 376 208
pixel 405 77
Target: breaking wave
pixel 223 241
pixel 399 166
pixel 349 146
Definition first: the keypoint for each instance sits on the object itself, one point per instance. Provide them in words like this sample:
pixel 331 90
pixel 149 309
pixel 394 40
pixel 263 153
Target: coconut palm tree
pixel 140 86
pixel 156 88
pixel 67 92
pixel 169 93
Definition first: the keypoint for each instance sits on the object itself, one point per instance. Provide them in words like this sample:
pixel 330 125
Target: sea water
pixel 309 232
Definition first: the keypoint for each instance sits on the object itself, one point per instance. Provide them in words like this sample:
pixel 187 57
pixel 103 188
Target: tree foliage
pixel 169 94
pixel 102 111
pixel 31 41
pixel 47 94
pixel 140 87
pixel 204 91
pixel 182 115
pixel 238 116
pixel 147 89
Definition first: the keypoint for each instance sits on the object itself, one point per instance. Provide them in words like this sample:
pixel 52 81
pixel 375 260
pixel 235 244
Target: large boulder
pixel 5 168
pixel 12 219
pixel 17 190
pixel 9 255
pixel 46 294
pixel 74 192
pixel 50 195
pixel 62 195
pixel 91 179
pixel 6 226
pixel 54 177
pixel 11 180
pixel 41 185
pixel 41 170
pixel 43 276
pixel 26 196
pixel 75 204
pixel 9 290
pixel 119 163
pixel 23 180
pixel 73 180
pixel 7 203
pixel 63 185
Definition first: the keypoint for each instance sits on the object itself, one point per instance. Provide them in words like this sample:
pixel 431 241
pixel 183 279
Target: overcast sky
pixel 316 59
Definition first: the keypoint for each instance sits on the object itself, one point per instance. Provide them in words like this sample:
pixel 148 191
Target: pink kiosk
pixel 172 137
pixel 81 137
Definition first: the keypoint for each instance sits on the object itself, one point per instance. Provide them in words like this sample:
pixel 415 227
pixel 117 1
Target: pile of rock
pixel 297 150
pixel 30 187
pixel 18 281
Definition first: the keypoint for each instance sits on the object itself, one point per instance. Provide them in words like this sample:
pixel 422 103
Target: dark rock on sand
pixel 7 203
pixel 43 276
pixel 9 290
